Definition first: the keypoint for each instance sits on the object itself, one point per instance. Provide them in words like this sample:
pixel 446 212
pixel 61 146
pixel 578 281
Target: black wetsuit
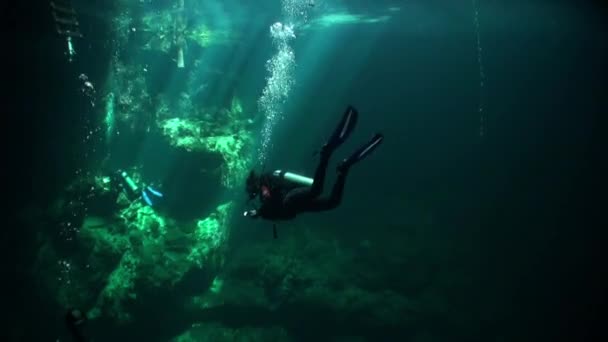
pixel 286 200
pixel 282 200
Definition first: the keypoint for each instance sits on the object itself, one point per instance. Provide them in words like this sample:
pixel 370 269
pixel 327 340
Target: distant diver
pixel 150 195
pixel 75 319
pixel 283 195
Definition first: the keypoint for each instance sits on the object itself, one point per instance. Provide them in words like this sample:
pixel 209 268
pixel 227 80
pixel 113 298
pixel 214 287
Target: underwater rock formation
pixel 124 252
pixel 113 243
pixel 183 133
pixel 159 254
pixel 159 31
pixel 138 248
pixel 128 103
pixel 131 246
pixel 220 333
pixel 308 275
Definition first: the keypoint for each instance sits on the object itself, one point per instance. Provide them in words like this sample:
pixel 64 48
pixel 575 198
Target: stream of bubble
pixel 281 69
pixel 482 75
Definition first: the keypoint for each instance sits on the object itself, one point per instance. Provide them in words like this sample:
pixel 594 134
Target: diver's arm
pixel 263 211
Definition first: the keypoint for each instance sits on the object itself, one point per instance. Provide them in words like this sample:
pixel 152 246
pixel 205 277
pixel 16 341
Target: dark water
pixel 511 246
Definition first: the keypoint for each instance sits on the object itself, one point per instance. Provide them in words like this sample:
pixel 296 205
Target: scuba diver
pixel 133 192
pixel 75 319
pixel 283 195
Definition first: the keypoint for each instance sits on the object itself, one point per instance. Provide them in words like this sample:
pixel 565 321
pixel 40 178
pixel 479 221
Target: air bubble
pixel 482 75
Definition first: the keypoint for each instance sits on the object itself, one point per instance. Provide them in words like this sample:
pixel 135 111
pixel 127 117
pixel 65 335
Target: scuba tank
pixel 293 177
pixel 128 184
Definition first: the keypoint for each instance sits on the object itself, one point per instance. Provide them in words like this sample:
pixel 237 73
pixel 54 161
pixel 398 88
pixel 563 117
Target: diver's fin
pixel 344 129
pixel 154 192
pixel 274 231
pixel 361 153
pixel 146 197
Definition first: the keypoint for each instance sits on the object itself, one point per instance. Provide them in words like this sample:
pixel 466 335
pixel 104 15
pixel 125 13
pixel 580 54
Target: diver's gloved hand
pixel 251 213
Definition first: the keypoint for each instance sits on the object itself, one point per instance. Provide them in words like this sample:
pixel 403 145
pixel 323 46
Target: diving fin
pixel 344 129
pixel 146 198
pixel 274 231
pixel 154 192
pixel 361 153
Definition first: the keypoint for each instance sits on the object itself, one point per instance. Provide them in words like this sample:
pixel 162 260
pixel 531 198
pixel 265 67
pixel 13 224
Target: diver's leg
pixel 342 131
pixel 334 199
pixel 319 178
pixel 298 197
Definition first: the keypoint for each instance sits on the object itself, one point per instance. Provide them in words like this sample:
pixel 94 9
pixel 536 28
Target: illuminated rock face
pixel 126 240
pixel 137 247
pixel 186 134
pixel 153 252
pixel 220 333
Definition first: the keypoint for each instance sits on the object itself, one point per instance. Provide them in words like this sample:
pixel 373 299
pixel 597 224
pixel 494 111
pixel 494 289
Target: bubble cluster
pixel 65 270
pixel 281 34
pixel 296 11
pixel 279 83
pixel 69 230
pixel 281 68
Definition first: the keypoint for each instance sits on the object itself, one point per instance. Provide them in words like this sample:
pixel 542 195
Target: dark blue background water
pixel 525 199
